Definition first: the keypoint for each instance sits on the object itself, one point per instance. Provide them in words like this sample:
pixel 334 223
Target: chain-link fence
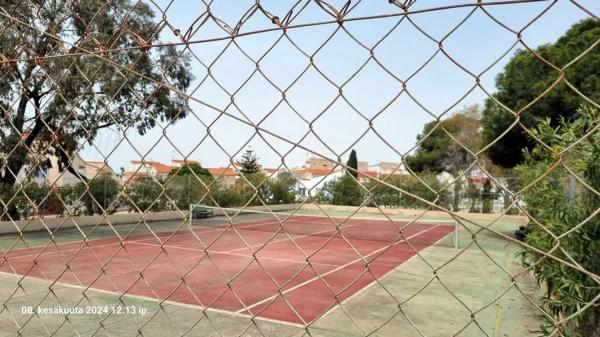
pixel 173 168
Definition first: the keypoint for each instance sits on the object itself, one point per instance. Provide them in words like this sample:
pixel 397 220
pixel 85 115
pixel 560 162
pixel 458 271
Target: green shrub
pixel 282 189
pixel 145 194
pixel 342 191
pixel 189 189
pixel 99 195
pixel 227 197
pixel 556 211
pixel 392 196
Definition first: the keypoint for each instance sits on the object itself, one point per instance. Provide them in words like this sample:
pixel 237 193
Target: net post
pixel 191 215
pixel 455 234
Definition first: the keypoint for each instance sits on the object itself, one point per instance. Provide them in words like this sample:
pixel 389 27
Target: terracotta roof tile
pixel 318 171
pixel 162 168
pixel 149 162
pixel 222 171
pixel 364 174
pixel 185 161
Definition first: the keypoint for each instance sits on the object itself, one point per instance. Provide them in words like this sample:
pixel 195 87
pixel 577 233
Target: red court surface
pixel 213 266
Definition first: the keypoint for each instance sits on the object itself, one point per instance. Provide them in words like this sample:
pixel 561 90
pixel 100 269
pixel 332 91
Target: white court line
pixel 360 291
pixel 152 299
pixel 286 239
pixel 233 254
pixel 331 271
pixel 129 239
pixel 7 257
pixel 239 312
pixel 323 231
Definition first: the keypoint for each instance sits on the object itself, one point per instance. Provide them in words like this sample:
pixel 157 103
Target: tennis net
pixel 310 223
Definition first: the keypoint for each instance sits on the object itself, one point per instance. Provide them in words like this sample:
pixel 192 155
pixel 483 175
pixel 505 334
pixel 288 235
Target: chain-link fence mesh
pixel 279 230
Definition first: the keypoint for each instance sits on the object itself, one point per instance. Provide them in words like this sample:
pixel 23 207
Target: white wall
pixel 313 185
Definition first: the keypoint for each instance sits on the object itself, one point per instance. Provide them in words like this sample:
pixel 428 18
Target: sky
pixel 372 94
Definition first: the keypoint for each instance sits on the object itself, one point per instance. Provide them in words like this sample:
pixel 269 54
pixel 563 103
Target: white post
pixel 191 214
pixel 456 228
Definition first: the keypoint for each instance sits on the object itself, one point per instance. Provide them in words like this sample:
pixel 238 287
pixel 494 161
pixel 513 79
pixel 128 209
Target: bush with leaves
pixel 575 145
pixel 145 194
pixel 35 199
pixel 99 195
pixel 254 188
pixel 29 199
pixel 342 191
pixel 391 196
pixel 282 189
pixel 189 189
pixel 72 200
pixel 6 194
pixel 191 169
pixel 227 196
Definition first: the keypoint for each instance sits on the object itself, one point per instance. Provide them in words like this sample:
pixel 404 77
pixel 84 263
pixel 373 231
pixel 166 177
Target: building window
pixel 41 172
pixel 302 191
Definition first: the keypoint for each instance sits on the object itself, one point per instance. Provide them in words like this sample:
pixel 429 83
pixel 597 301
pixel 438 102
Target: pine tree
pixel 352 164
pixel 249 163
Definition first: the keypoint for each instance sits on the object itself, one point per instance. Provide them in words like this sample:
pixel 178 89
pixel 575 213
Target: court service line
pixel 286 239
pixel 324 231
pixel 333 271
pixel 233 254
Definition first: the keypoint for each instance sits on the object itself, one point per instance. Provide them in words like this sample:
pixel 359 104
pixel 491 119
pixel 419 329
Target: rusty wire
pixel 339 15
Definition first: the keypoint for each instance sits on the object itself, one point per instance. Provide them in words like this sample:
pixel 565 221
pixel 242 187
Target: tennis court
pixel 291 268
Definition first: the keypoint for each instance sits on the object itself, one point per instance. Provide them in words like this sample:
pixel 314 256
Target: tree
pixel 526 77
pixel 342 191
pixel 352 164
pixel 191 169
pixel 282 188
pixel 249 163
pixel 391 196
pixel 189 189
pixel 255 190
pixel 227 196
pixel 66 100
pixel 487 197
pixel 100 194
pixel 146 194
pixel 438 152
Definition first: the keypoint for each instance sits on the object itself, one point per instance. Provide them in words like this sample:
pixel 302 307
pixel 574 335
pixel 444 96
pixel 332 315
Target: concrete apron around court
pixel 469 296
pixel 462 300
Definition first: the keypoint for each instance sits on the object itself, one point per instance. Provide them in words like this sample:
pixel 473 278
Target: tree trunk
pixel 456 196
pixel 472 196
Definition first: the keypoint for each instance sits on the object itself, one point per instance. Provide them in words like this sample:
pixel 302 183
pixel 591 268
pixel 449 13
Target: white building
pixel 384 168
pixel 48 172
pixel 311 180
